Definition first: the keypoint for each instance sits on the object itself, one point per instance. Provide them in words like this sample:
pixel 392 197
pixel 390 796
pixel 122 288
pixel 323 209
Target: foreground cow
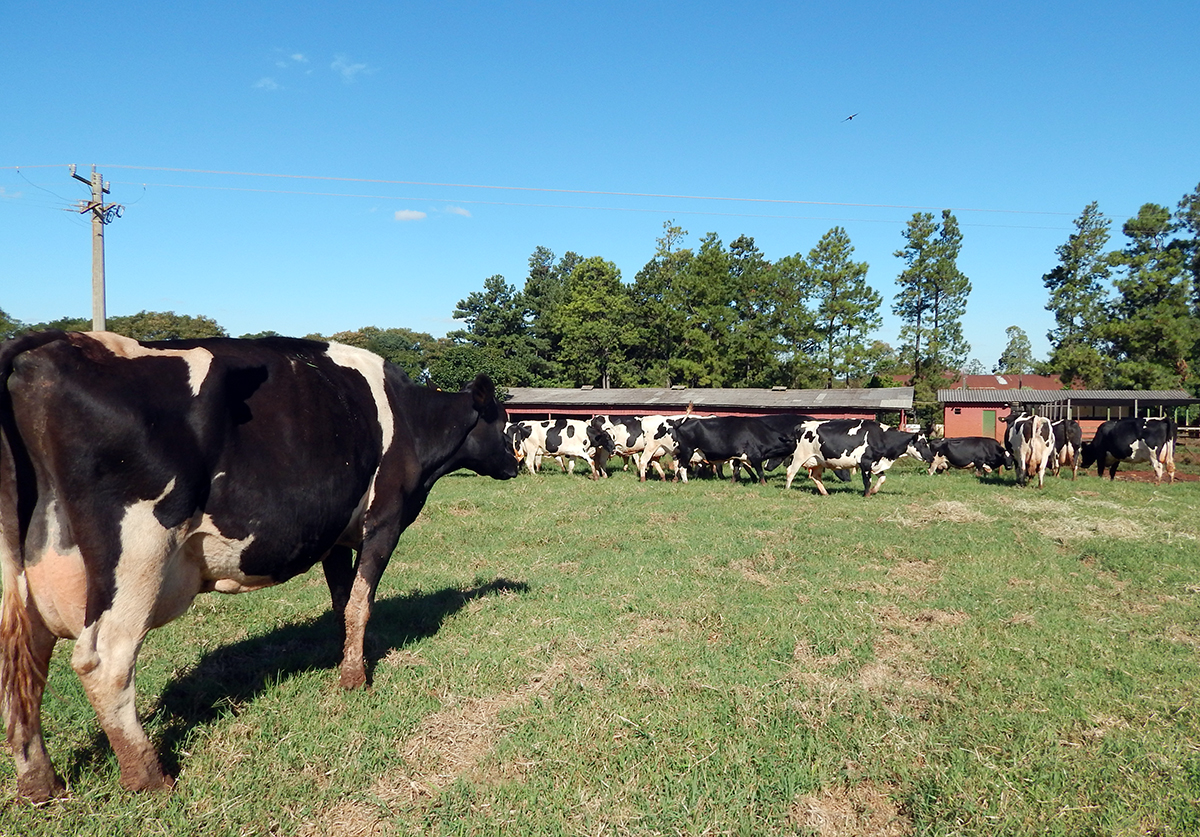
pixel 743 440
pixel 135 475
pixel 982 453
pixel 853 443
pixel 1030 440
pixel 1068 441
pixel 1133 440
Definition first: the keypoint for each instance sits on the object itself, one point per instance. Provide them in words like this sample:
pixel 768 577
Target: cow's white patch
pixel 57 580
pixel 371 367
pixel 198 360
pixel 217 559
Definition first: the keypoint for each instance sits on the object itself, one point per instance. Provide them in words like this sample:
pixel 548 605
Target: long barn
pixel 538 403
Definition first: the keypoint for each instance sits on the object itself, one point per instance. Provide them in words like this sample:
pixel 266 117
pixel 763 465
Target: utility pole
pixel 101 215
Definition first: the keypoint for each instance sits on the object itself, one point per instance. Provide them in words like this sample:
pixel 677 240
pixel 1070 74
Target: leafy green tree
pixel 1187 221
pixel 406 348
pixel 757 297
pixel 801 343
pixel 1151 327
pixel 595 325
pixel 452 366
pixel 1078 288
pixel 846 308
pixel 498 318
pixel 146 325
pixel 659 316
pixel 9 325
pixel 933 295
pixel 705 296
pixel 1017 357
pixel 543 293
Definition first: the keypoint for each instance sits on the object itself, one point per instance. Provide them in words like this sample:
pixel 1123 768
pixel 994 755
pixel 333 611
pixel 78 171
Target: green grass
pixel 557 656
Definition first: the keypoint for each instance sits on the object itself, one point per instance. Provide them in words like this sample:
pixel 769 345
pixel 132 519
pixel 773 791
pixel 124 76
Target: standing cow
pixel 853 443
pixel 1030 440
pixel 1068 440
pixel 134 476
pixel 982 453
pixel 567 439
pixel 1133 440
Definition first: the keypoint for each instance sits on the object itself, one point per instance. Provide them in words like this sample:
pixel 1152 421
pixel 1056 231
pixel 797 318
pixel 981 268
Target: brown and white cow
pixel 134 476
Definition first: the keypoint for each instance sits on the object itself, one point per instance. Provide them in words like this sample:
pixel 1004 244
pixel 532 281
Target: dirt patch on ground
pixel 864 810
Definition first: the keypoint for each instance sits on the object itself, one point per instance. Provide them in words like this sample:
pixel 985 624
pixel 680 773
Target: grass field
pixel 557 656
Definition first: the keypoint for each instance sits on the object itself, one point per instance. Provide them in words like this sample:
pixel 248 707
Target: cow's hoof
pixel 38 790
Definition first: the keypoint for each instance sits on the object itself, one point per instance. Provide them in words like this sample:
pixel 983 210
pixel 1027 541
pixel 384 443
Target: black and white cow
pixel 853 443
pixel 628 436
pixel 1068 439
pixel 656 435
pixel 1030 440
pixel 134 476
pixel 1133 440
pixel 743 440
pixel 982 453
pixel 567 439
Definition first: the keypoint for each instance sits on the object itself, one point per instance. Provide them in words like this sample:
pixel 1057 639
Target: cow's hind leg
pixel 28 645
pixel 105 658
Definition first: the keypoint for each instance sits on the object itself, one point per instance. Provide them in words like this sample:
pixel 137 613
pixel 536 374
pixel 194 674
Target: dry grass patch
pixel 943 511
pixel 864 810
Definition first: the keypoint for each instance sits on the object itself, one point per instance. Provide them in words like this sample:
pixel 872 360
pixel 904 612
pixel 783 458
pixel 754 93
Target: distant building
pixel 585 402
pixel 978 409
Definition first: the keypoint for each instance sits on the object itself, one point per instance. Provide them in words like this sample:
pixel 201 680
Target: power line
pixel 476 202
pixel 666 196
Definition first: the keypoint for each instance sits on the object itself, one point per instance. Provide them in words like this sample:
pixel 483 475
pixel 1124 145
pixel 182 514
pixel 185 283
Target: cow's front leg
pixel 29 645
pixel 372 561
pixel 339 575
pixel 105 657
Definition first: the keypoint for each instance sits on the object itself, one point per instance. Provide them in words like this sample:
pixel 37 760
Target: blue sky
pixel 423 147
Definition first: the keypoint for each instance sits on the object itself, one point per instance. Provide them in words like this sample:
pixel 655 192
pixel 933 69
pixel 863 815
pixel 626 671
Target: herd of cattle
pixel 136 475
pixel 1032 445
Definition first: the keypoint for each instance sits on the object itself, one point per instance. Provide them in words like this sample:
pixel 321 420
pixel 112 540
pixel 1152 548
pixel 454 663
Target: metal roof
pixel 661 400
pixel 1164 397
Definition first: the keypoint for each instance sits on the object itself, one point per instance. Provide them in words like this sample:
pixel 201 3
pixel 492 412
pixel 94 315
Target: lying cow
pixel 1133 440
pixel 982 453
pixel 1068 440
pixel 1030 440
pixel 136 475
pixel 853 443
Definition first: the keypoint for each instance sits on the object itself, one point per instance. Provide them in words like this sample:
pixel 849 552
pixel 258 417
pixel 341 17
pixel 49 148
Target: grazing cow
pixel 744 440
pixel 1068 439
pixel 1133 440
pixel 134 476
pixel 656 432
pixel 629 438
pixel 567 438
pixel 853 443
pixel 982 453
pixel 1030 440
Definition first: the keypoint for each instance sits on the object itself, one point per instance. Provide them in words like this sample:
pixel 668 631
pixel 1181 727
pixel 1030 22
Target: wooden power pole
pixel 101 214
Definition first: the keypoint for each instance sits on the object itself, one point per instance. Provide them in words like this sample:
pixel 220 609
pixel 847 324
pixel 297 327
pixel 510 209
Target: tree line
pixel 728 316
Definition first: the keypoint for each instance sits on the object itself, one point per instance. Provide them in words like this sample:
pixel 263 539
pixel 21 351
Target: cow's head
pixel 1090 454
pixel 487 450
pixel 918 448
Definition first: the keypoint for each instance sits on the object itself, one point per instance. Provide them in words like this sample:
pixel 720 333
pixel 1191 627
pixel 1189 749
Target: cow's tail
pixel 20 677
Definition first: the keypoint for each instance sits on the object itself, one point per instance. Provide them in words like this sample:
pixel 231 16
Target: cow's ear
pixel 483 396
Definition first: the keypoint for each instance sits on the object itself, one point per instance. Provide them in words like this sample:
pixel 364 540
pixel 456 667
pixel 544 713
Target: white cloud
pixel 299 58
pixel 348 71
pixel 266 83
pixel 409 215
pixel 458 210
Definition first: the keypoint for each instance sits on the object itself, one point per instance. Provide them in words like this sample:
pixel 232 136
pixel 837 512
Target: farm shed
pixel 545 402
pixel 978 412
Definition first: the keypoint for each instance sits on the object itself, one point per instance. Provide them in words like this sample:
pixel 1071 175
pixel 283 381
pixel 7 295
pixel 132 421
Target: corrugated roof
pixel 1167 398
pixel 676 400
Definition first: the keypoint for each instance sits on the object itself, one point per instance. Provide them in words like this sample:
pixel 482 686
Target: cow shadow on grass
pixel 234 674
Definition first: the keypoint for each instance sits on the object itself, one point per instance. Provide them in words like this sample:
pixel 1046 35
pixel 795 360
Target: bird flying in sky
pixel 851 116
